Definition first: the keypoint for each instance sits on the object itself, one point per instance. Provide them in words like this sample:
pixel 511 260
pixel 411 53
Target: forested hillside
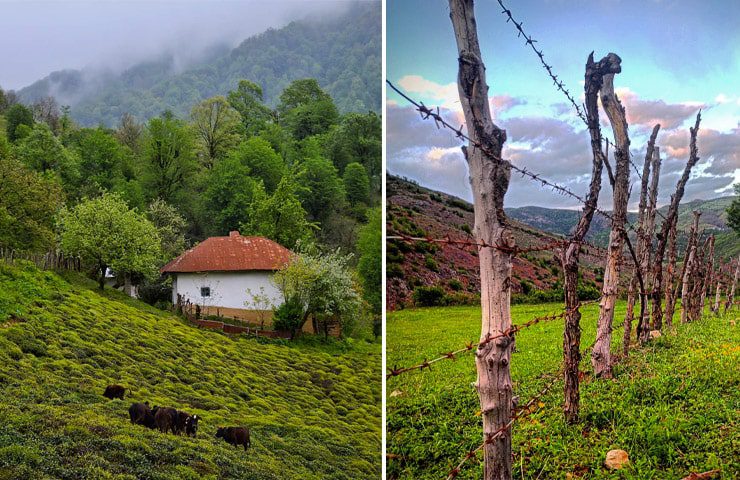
pixel 134 197
pixel 343 53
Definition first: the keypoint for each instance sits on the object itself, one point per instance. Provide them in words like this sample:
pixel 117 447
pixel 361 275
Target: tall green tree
pixel 169 158
pixel 356 184
pixel 218 128
pixel 106 233
pixel 130 133
pixel 171 227
pixel 323 192
pixel 15 117
pixel 733 211
pixel 103 161
pixel 306 110
pixel 262 161
pixel 3 101
pixel 228 197
pixel 280 216
pixel 369 266
pixel 247 100
pixel 358 138
pixel 29 202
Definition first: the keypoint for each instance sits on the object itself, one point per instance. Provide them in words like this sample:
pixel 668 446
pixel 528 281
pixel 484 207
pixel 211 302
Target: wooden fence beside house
pixel 46 261
pixel 191 312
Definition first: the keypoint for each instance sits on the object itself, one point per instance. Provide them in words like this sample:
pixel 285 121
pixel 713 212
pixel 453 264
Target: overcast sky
pixel 37 38
pixel 677 56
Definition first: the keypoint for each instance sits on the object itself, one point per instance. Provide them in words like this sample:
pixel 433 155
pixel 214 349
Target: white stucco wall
pixel 228 289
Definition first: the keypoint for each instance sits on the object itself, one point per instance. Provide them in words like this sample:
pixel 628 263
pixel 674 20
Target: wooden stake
pixel 601 354
pixel 489 179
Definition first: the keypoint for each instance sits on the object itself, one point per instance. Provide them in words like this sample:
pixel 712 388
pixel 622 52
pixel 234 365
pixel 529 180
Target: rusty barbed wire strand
pixel 519 413
pixel 559 84
pixel 427 113
pixel 480 244
pixel 512 330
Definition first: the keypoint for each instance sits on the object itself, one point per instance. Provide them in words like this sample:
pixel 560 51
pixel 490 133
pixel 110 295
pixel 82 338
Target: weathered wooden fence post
pixel 644 234
pixel 670 297
pixel 667 225
pixel 731 293
pixel 489 178
pixel 601 354
pixel 569 256
pixel 688 269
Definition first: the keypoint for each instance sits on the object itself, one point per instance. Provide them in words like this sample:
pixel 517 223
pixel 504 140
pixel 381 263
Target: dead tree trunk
pixel 708 277
pixel 489 179
pixel 668 223
pixel 642 215
pixel 601 354
pixel 648 243
pixel 670 297
pixel 731 293
pixel 689 260
pixel 718 293
pixel 699 279
pixel 569 257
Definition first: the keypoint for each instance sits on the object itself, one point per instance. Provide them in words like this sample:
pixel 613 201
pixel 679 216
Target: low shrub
pixel 429 296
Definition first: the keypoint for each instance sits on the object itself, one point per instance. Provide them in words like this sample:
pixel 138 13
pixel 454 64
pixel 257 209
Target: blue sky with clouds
pixel 677 57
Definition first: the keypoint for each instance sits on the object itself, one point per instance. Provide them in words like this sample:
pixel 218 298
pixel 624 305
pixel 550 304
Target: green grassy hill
pixel 314 410
pixel 673 405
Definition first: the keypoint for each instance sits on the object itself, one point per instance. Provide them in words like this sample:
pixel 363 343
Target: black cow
pixel 114 391
pixel 141 414
pixel 186 423
pixel 191 425
pixel 166 418
pixel 235 436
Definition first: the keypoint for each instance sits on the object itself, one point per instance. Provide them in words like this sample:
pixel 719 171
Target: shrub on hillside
pixel 26 342
pixel 431 263
pixel 429 296
pixel 289 316
pixel 462 299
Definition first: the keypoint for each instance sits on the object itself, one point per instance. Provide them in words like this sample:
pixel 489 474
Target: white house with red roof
pixel 221 274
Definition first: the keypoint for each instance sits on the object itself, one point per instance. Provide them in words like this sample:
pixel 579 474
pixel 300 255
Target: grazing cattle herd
pixel 167 419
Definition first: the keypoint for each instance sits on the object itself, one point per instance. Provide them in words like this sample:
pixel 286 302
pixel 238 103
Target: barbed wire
pixel 554 244
pixel 427 113
pixel 559 84
pixel 480 244
pixel 519 413
pixel 512 330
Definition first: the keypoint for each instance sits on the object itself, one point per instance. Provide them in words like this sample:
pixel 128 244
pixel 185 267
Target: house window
pixel 205 291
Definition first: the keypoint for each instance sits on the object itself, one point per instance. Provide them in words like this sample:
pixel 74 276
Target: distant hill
pixel 713 220
pixel 343 54
pixel 417 211
pixel 562 221
pixel 314 410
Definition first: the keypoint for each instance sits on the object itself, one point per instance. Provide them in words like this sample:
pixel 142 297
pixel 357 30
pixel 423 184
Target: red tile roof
pixel 232 253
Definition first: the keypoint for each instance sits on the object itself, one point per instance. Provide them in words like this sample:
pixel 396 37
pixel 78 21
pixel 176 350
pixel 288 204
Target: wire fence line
pixel 428 113
pixel 469 347
pixel 519 413
pixel 559 84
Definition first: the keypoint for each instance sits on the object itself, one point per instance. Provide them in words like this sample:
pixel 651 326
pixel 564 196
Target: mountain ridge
pixel 343 54
pixel 414 210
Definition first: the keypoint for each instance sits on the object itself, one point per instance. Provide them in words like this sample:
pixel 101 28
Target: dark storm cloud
pixel 37 38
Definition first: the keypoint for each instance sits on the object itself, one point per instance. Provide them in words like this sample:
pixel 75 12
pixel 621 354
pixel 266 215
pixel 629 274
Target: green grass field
pixel 673 406
pixel 314 409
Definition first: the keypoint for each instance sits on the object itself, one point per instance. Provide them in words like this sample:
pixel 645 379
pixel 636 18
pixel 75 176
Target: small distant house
pixel 219 274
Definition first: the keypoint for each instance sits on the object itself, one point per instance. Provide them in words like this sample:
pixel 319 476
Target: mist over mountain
pixel 343 52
